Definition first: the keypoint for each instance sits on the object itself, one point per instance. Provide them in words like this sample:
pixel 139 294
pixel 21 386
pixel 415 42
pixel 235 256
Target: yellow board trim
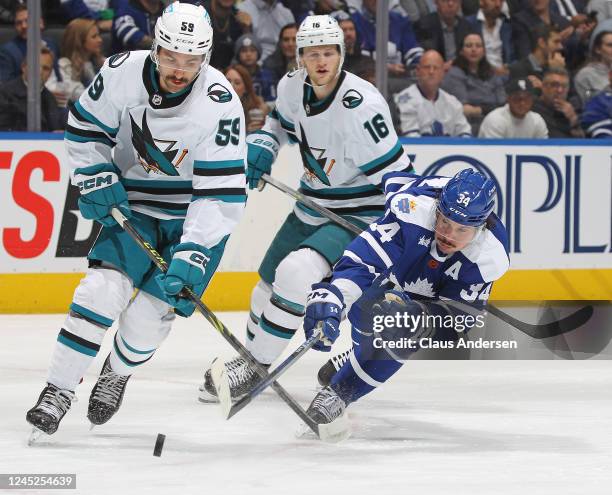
pixel 231 291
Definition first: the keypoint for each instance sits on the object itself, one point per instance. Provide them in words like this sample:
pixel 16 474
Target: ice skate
pixel 53 403
pixel 240 375
pixel 327 409
pixel 107 395
pixel 331 367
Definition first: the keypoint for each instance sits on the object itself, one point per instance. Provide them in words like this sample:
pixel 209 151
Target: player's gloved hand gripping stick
pixel 188 293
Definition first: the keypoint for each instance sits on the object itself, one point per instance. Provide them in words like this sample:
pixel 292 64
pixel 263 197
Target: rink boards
pixel 553 195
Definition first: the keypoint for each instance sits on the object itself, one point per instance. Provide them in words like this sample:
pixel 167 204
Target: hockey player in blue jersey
pixel 137 140
pixel 436 252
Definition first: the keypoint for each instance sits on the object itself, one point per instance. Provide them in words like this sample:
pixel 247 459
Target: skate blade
pixel 206 397
pixel 334 432
pixel 35 434
pixel 218 374
pixel 91 426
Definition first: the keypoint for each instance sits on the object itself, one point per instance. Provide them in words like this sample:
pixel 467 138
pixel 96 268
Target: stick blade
pixel 218 374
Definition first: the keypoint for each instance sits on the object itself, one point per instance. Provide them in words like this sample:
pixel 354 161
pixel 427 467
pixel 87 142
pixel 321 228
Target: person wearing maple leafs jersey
pixel 436 251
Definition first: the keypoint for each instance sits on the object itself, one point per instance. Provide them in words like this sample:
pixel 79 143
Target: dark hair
pixel 250 99
pixel 284 28
pixel 484 70
pixel 597 42
pixel 20 7
pixel 557 71
pixel 542 31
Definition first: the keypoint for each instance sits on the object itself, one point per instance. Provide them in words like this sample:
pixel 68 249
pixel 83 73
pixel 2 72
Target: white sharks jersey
pixel 347 143
pixel 178 155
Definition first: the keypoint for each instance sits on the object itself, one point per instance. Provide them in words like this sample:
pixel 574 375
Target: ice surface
pixel 438 427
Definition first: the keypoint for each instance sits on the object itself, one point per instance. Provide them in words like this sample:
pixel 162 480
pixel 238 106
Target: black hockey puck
pixel 159 445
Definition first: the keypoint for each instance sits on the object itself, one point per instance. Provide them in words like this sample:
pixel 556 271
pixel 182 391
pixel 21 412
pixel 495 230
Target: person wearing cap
pixel 268 17
pixel 247 52
pixel 515 119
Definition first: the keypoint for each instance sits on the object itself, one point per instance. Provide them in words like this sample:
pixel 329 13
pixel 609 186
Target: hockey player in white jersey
pixel 159 135
pixel 343 128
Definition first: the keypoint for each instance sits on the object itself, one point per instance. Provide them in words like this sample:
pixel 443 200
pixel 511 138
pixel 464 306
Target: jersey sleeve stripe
pixel 217 172
pixel 217 164
pixel 84 136
pixel 364 211
pixel 339 193
pixel 380 163
pixel 366 236
pixel 84 116
pixel 166 207
pixel 352 256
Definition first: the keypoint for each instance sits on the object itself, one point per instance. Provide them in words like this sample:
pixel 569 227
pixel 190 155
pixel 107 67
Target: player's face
pixel 321 63
pixel 177 70
pixel 452 236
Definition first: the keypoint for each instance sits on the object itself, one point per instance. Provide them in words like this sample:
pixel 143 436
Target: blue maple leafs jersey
pixel 401 248
pixel 178 155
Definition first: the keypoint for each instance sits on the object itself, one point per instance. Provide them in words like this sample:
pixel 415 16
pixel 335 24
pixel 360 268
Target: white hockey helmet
pixel 318 30
pixel 184 28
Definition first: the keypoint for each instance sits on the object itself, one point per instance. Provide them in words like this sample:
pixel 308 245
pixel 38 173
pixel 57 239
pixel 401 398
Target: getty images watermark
pixel 425 327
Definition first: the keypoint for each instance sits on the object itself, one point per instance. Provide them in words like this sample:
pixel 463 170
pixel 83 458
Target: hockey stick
pixel 536 331
pixel 159 261
pixel 223 387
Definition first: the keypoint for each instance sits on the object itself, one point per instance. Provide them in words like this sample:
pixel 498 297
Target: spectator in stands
pixel 303 8
pixel 443 30
pixel 228 25
pixel 99 10
pixel 415 9
pixel 328 7
pixel 525 21
pixel 354 60
pixel 515 119
pixel 558 113
pixel 545 53
pixel 283 58
pixel 14 99
pixel 82 57
pixel 403 49
pixel 13 53
pixel 473 81
pixel 596 118
pixel 496 31
pixel 593 77
pixel 7 11
pixel 255 109
pixel 425 109
pixel 134 24
pixel 247 54
pixel 268 17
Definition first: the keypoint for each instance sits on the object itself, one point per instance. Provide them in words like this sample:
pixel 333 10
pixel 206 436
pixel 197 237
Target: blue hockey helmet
pixel 468 198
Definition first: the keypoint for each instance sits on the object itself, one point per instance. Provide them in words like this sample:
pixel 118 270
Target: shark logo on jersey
pixel 155 155
pixel 315 167
pixel 352 99
pixel 219 93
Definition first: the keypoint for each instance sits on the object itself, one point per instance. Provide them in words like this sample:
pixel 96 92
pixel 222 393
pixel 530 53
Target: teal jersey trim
pixel 88 313
pixel 216 164
pixel 375 163
pixel 93 120
pixel 364 213
pixel 135 351
pixel 77 347
pixel 285 123
pixel 290 304
pixel 223 197
pixel 268 329
pixel 82 139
